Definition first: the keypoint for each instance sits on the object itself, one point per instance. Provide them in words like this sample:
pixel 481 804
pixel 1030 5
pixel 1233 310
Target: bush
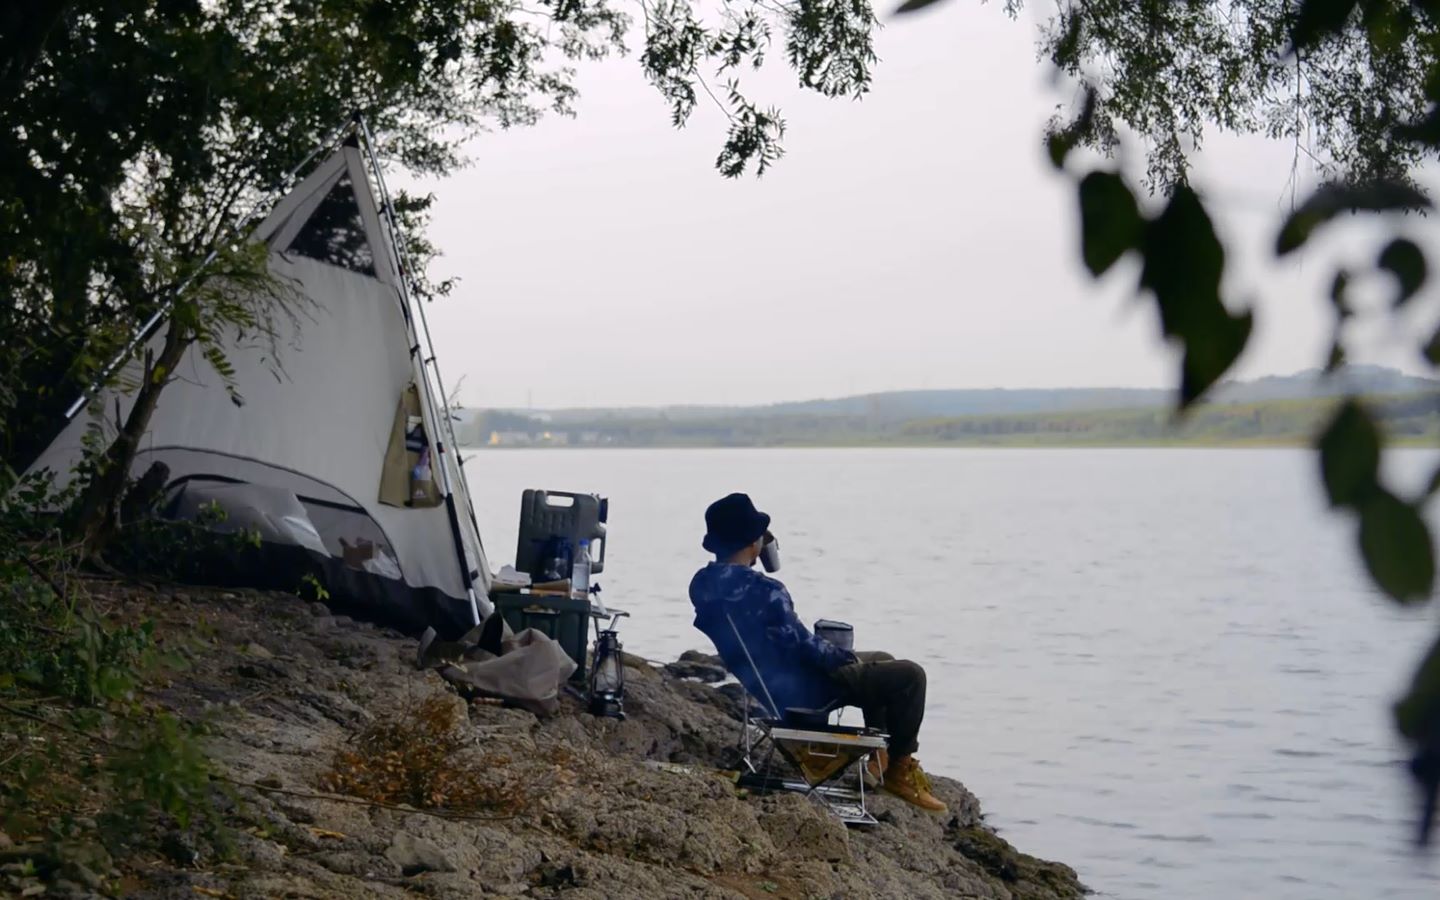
pixel 418 758
pixel 67 673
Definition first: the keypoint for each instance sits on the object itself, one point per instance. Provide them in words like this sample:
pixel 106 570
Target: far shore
pixel 1305 443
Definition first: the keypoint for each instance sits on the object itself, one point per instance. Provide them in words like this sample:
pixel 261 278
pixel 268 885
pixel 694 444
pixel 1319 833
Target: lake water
pixel 1163 667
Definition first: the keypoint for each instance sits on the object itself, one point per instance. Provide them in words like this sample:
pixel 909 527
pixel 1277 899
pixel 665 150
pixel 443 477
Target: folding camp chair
pixel 826 755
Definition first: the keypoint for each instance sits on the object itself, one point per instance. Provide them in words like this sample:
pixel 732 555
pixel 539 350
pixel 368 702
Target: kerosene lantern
pixel 607 676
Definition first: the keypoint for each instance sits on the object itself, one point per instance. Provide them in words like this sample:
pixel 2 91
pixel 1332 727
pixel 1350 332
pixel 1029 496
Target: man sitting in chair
pixel 749 616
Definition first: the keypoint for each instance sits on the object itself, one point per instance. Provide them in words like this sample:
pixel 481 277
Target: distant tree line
pixel 1414 417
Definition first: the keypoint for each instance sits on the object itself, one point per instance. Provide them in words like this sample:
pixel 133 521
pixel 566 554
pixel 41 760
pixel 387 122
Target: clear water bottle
pixel 420 479
pixel 580 571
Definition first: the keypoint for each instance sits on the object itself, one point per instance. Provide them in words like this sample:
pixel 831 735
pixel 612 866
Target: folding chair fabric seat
pixel 809 718
pixel 820 751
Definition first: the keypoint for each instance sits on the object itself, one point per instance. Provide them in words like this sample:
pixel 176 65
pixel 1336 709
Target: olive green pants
pixel 891 694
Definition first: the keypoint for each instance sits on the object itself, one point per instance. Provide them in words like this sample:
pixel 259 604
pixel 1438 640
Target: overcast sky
pixel 915 239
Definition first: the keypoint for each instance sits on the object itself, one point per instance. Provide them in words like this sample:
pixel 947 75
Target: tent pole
pixel 441 416
pixel 406 268
pixel 144 331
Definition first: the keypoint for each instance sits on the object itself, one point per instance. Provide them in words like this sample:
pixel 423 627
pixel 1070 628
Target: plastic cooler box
pixel 564 619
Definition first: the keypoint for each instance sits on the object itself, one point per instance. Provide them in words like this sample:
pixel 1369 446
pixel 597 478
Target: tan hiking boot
pixel 906 780
pixel 875 768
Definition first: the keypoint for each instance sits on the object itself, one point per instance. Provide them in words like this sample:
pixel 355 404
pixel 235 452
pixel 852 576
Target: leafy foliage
pixel 160 770
pixel 1403 259
pixel 140 136
pixel 1168 71
pixel 1331 200
pixel 61 655
pixel 1110 223
pixel 1350 455
pixel 1356 85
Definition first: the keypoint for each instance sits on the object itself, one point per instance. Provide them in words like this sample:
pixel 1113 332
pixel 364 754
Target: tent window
pixel 335 233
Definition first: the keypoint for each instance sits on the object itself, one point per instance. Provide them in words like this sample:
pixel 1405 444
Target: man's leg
pixel 874 712
pixel 891 693
pixel 894 689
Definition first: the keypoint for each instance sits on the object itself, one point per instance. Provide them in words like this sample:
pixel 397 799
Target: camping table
pixel 601 613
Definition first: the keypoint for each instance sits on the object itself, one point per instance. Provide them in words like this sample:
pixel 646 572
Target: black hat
pixel 732 523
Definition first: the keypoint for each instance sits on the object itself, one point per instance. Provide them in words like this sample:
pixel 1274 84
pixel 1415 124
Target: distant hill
pixel 1268 410
pixel 1312 384
pixel 1407 418
pixel 900 406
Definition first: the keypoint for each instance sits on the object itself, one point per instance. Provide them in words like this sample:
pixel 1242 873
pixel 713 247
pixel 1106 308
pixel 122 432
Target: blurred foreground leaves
pixel 1355 84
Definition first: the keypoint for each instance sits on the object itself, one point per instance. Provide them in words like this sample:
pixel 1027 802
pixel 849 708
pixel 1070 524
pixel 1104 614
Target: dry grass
pixel 427 758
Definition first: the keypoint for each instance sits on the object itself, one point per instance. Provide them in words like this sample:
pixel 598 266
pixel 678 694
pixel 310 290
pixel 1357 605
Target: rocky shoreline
pixel 594 808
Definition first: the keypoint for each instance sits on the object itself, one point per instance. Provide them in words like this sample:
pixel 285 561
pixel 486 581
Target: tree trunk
pixel 97 511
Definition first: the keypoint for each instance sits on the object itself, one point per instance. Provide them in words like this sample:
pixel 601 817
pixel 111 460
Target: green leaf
pixel 1330 200
pixel 1210 351
pixel 1066 50
pixel 1184 263
pixel 1336 358
pixel 1395 543
pixel 1110 222
pixel 1417 717
pixel 1060 142
pixel 1407 263
pixel 910 6
pixel 1417 713
pixel 1425 130
pixel 1338 297
pixel 1350 455
pixel 1318 19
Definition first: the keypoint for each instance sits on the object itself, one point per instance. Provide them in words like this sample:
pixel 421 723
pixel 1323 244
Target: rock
pixel 85 853
pixel 255 649
pixel 350 862
pixel 703 671
pixel 993 854
pixel 601 807
pixel 632 661
pixel 343 621
pixel 63 887
pixel 80 875
pixel 551 875
pixel 695 656
pixel 83 863
pixel 801 831
pixel 5 841
pixel 179 847
pixel 262 669
pixel 416 854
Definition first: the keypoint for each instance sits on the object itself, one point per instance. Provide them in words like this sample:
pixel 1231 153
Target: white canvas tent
pixel 321 452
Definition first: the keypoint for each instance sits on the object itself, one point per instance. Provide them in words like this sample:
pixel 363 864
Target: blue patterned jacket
pixel 794 663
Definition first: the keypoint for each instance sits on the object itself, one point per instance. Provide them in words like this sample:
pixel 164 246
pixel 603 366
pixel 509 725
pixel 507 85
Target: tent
pixel 320 459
